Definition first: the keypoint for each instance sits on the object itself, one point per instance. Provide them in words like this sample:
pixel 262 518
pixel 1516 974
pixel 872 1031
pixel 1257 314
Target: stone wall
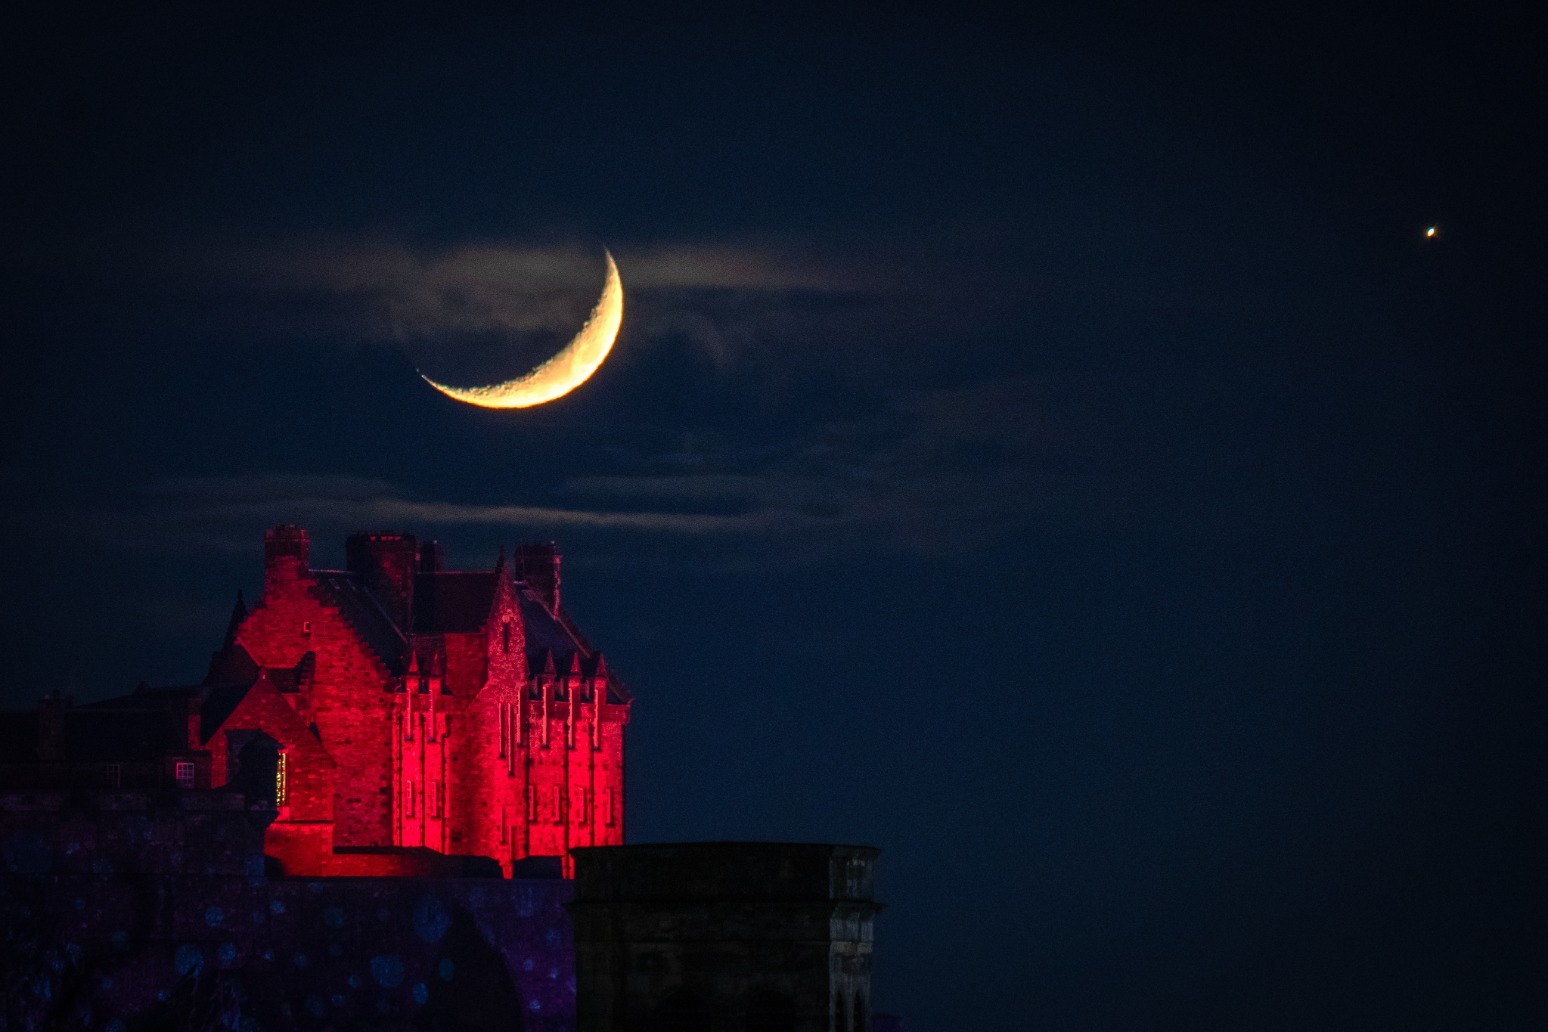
pixel 122 912
pixel 724 937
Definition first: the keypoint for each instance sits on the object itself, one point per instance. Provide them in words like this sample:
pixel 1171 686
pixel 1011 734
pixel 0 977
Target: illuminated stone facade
pixel 383 716
pixel 402 705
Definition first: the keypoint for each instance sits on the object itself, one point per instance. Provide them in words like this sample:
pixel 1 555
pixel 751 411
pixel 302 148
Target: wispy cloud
pixel 940 472
pixel 720 298
pixel 223 514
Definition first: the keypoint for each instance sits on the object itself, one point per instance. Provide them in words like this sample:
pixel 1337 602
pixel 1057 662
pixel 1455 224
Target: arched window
pixel 255 769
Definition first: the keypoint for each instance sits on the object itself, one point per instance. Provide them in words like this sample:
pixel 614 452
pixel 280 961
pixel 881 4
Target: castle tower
pixel 459 712
pixel 724 935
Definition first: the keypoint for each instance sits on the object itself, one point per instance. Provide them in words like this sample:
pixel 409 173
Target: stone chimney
pixel 386 564
pixel 286 553
pixel 538 566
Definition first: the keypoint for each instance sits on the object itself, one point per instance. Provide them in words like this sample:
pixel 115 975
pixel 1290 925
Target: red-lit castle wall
pixel 347 699
pixel 454 743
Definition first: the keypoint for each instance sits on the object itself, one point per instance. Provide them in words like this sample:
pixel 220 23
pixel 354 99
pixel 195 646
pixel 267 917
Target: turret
pixel 504 633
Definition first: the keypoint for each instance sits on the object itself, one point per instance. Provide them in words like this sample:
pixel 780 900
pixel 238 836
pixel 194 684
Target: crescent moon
pixel 566 370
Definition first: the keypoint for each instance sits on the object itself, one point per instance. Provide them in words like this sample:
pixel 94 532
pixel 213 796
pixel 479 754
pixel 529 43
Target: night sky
pixel 1044 447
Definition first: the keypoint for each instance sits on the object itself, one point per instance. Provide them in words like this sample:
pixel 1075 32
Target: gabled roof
pixel 546 633
pixel 452 603
pixel 219 704
pixel 360 610
pixel 459 603
pixel 232 665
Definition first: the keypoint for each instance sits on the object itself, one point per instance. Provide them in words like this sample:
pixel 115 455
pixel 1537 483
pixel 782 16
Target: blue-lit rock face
pixel 148 943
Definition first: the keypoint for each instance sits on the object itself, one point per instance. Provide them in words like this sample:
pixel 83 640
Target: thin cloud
pixel 939 473
pixel 222 514
pixel 726 303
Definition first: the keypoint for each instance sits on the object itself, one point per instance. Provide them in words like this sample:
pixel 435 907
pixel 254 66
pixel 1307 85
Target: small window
pixel 408 799
pixel 578 806
pixel 185 774
pixel 113 775
pixel 531 804
pixel 306 627
pixel 505 636
pixel 435 799
pixel 558 805
pixel 610 808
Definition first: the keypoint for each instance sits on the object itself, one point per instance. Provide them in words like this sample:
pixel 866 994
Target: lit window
pixel 281 779
pixel 185 774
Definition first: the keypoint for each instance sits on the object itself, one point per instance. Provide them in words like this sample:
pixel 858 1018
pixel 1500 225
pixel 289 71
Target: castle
pixel 389 715
pixel 450 742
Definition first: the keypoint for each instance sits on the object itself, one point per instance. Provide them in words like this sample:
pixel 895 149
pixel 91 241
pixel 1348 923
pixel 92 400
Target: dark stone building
pixel 391 704
pixel 724 937
pixel 362 818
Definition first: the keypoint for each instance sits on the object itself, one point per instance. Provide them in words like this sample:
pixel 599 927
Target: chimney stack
pixel 538 566
pixel 386 564
pixel 286 553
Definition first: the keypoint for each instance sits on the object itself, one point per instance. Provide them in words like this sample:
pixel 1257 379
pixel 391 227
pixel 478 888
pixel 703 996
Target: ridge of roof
pixel 238 617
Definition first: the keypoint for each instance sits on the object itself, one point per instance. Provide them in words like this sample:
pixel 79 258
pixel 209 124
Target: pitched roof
pixel 452 603
pixel 361 611
pixel 219 704
pixel 544 633
pixel 232 665
pixel 456 602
